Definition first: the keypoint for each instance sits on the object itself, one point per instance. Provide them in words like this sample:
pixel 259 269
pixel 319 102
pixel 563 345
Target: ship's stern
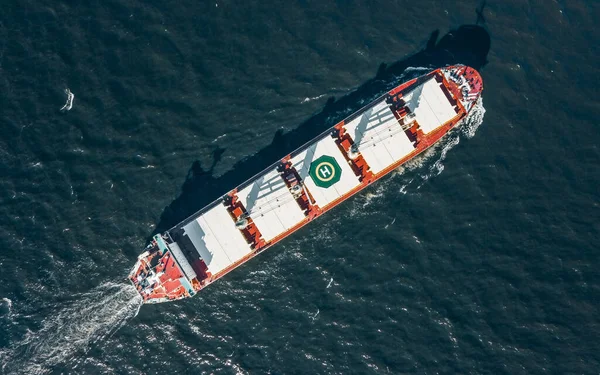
pixel 159 275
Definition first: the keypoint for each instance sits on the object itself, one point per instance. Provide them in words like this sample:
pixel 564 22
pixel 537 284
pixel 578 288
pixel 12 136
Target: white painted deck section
pixel 302 161
pixel 430 106
pixel 182 261
pixel 216 238
pixel 271 205
pixel 379 136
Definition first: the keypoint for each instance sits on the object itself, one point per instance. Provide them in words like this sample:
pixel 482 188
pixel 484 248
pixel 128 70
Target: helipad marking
pixel 325 171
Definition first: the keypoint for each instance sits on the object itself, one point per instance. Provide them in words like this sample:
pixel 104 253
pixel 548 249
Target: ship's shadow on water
pixel 468 44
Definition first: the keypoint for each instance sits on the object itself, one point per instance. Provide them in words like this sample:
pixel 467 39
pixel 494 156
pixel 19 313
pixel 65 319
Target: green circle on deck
pixel 325 171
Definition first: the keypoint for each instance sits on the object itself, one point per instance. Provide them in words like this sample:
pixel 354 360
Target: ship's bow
pixel 467 82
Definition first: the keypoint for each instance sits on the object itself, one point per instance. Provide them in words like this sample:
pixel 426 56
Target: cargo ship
pixel 305 184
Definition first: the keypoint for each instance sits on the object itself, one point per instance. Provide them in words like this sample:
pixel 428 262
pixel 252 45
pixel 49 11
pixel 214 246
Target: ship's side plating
pixel 313 179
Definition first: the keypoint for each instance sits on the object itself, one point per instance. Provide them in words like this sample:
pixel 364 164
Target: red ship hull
pixel 353 154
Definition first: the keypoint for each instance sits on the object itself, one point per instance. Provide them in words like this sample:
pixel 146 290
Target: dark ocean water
pixel 481 257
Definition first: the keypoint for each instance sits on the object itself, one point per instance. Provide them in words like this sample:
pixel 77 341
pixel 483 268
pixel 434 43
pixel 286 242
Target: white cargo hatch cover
pixel 379 137
pixel 271 205
pixel 430 105
pixel 302 161
pixel 216 238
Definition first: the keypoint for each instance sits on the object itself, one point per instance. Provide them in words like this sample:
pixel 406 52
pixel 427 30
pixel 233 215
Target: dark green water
pixel 478 258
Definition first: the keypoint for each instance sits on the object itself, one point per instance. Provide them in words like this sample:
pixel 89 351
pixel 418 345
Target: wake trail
pixel 72 327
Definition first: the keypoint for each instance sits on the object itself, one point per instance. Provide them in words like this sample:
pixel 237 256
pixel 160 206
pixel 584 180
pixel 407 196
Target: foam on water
pixel 71 327
pixel 467 127
pixel 306 100
pixel 7 303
